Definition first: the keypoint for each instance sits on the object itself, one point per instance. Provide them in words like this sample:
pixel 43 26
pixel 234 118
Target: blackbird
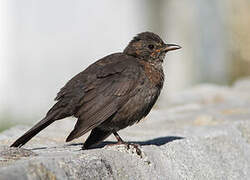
pixel 111 94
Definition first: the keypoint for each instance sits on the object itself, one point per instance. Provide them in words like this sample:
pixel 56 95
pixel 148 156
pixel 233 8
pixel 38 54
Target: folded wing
pixel 108 93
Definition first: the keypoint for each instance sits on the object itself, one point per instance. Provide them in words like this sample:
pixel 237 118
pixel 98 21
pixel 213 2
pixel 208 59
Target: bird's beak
pixel 171 47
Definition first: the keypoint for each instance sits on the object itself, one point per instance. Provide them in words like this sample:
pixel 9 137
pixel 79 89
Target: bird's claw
pixel 136 147
pixel 128 146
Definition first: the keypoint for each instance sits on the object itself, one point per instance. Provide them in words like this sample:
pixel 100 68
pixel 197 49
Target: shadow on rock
pixel 157 141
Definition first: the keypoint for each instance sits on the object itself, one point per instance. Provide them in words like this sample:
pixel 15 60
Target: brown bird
pixel 111 94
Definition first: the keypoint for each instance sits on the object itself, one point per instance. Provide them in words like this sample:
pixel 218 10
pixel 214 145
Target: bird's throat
pixel 154 72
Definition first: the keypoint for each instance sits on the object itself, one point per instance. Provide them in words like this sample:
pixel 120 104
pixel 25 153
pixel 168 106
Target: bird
pixel 111 94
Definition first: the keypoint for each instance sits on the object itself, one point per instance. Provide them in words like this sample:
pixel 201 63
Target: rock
pixel 201 133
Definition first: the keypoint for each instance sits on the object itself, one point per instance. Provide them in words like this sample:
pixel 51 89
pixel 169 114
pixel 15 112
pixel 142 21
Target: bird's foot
pixel 129 146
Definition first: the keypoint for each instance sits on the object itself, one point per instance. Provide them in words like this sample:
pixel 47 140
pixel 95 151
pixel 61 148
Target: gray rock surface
pixel 201 133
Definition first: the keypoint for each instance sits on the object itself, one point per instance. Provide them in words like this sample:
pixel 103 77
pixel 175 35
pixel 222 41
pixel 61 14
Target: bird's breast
pixel 153 72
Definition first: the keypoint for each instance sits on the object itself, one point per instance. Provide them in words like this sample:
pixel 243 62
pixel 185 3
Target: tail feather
pixel 32 132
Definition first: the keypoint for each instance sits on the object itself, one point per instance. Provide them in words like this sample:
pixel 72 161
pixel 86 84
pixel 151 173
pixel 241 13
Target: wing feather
pixel 84 125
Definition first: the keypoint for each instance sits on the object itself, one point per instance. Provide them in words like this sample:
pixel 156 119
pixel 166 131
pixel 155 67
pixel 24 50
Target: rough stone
pixel 201 133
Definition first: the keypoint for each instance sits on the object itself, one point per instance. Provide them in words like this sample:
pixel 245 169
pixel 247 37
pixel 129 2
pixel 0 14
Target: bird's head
pixel 149 46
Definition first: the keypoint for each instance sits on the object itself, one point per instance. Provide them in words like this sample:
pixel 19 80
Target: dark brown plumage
pixel 111 94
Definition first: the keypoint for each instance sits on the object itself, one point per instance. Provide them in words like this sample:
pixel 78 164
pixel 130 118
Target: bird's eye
pixel 151 46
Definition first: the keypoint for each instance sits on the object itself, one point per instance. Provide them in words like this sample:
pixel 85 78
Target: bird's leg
pixel 120 141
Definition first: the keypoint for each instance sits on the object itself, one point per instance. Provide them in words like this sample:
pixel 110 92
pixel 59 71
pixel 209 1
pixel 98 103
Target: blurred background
pixel 44 43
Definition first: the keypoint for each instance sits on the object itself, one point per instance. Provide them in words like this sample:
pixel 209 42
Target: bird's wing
pixel 112 87
pixel 70 97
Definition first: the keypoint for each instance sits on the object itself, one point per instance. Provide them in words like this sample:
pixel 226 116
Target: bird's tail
pixel 33 131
